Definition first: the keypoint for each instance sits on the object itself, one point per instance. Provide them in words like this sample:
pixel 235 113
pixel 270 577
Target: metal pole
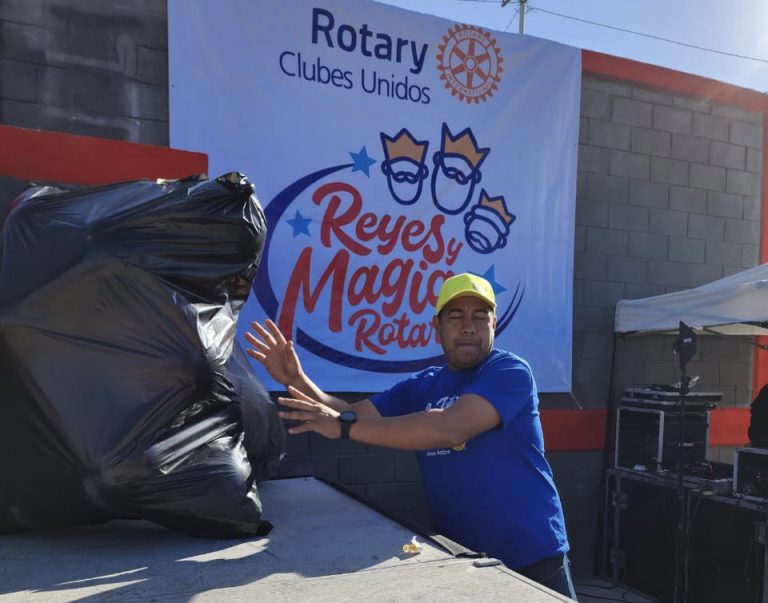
pixel 522 16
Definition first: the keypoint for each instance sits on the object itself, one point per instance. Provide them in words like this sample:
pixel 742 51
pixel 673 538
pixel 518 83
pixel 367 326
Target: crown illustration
pixel 497 205
pixel 404 146
pixel 463 144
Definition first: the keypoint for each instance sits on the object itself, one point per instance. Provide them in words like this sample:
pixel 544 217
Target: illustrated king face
pixel 487 224
pixel 404 166
pixel 456 171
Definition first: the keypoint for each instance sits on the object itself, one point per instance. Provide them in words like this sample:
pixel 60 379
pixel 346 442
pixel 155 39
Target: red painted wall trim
pixel 585 430
pixel 574 430
pixel 42 156
pixel 728 427
pixel 596 63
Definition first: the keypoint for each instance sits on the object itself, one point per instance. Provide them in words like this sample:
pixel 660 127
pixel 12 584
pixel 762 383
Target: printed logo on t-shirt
pixel 442 404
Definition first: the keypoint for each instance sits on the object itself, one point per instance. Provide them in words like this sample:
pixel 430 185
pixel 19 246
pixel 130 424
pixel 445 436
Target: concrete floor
pixel 325 547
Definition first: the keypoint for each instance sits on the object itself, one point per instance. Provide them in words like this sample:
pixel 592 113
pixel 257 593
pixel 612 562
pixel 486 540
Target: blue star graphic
pixel 362 161
pixel 490 276
pixel 300 224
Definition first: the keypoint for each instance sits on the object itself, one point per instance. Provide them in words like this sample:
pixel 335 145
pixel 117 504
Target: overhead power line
pixel 645 35
pixel 511 20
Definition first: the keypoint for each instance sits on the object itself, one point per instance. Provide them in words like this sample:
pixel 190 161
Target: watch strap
pixel 345 427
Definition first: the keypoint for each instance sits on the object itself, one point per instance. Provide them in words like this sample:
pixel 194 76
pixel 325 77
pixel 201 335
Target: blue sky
pixel 735 26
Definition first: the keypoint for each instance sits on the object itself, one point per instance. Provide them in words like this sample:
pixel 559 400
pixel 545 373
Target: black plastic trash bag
pixel 123 391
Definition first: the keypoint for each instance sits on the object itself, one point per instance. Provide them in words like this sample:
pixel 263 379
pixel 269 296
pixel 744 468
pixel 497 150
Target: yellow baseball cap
pixel 465 284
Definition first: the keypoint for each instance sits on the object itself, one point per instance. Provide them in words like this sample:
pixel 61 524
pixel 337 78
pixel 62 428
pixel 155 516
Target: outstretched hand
pixel 275 352
pixel 311 414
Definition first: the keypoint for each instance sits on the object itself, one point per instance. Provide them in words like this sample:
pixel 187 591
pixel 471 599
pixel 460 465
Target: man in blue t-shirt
pixel 474 423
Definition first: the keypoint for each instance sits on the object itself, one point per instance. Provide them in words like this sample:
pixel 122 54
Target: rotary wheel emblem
pixel 469 63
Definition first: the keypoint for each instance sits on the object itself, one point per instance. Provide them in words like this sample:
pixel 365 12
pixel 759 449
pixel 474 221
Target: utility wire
pixel 512 19
pixel 645 35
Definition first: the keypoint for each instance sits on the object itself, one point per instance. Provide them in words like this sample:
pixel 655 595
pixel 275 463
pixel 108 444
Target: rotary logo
pixel 469 63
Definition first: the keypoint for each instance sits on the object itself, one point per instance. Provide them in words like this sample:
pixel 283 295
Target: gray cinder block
pixel 707 176
pixel 672 119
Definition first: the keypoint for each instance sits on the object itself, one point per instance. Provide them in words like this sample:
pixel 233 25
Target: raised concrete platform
pixel 325 546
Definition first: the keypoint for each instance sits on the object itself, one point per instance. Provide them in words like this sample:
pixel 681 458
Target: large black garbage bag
pixel 123 391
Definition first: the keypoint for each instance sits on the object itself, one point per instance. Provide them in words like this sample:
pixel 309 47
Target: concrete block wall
pixel 389 479
pixel 669 197
pixel 97 68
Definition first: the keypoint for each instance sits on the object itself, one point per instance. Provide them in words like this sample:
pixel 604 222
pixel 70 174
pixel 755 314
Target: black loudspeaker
pixel 726 551
pixel 721 561
pixel 642 519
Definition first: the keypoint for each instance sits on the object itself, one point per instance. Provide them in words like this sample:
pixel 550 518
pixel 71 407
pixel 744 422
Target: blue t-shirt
pixel 497 495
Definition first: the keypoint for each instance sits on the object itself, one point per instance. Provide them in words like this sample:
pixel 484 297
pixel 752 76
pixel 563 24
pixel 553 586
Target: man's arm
pixel 468 417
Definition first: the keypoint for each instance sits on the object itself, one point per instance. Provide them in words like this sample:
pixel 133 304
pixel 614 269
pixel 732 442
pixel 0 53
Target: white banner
pixel 390 150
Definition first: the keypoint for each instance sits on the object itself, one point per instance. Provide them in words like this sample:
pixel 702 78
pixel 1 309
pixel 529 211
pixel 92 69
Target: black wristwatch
pixel 347 419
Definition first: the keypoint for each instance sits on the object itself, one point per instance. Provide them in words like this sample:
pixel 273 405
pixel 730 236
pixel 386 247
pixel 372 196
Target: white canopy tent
pixel 735 305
